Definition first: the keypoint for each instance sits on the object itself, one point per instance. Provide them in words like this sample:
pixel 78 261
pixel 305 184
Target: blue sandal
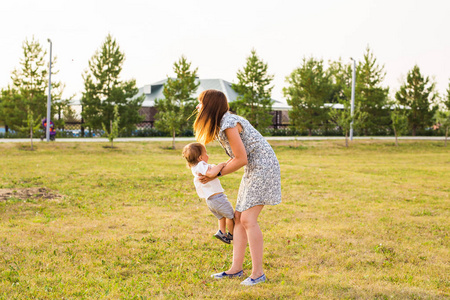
pixel 251 281
pixel 225 275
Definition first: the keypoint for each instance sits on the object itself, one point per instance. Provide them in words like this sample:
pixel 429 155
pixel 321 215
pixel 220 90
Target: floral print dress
pixel 261 183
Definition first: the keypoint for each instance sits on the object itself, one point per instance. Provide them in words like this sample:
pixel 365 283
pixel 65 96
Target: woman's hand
pixel 205 178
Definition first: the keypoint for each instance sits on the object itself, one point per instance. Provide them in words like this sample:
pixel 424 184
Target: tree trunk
pixel 346 139
pixel 112 139
pixel 31 135
pixel 6 128
pixel 414 131
pixel 309 132
pixel 173 139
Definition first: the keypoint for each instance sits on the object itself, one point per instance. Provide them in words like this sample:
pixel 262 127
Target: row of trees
pixel 311 86
pixel 104 93
pixel 28 91
pixel 105 96
pixel 308 89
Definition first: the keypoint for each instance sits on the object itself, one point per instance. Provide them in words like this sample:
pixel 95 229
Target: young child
pixel 197 159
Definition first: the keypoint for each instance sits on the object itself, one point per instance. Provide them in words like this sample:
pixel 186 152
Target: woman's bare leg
pixel 239 245
pixel 249 221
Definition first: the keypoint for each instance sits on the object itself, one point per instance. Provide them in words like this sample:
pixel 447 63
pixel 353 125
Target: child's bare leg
pixel 230 225
pixel 222 225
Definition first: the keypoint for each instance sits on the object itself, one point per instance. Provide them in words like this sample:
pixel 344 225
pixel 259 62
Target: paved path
pixel 190 139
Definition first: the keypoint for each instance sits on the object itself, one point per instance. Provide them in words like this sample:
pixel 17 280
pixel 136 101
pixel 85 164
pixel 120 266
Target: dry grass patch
pixel 367 222
pixel 24 194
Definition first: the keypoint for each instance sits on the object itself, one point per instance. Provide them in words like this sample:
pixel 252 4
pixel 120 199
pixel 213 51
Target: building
pixel 155 91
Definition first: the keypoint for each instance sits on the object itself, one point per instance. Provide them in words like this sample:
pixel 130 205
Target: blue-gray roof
pixel 155 91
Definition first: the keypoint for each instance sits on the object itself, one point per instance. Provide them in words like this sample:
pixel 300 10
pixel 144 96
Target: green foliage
pixel 104 89
pixel 370 93
pixel 63 112
pixel 399 122
pixel 343 118
pixel 443 120
pixel 32 125
pixel 341 77
pixel 12 107
pixel 29 89
pixel 418 93
pixel 178 105
pixel 447 100
pixel 309 88
pixel 113 131
pixel 254 101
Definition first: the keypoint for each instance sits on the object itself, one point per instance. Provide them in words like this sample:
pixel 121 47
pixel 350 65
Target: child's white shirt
pixel 207 189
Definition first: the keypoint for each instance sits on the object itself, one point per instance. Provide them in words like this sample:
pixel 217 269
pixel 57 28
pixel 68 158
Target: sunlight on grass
pixel 367 222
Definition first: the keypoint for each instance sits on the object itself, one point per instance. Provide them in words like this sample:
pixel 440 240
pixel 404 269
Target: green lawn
pixel 368 222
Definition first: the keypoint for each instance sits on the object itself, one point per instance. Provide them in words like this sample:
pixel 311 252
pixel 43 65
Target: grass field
pixel 368 222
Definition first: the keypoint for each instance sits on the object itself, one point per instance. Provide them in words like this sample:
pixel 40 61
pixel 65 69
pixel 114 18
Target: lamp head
pixel 49 40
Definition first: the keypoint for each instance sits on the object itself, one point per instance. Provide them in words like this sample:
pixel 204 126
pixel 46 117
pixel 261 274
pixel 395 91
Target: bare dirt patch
pixel 28 193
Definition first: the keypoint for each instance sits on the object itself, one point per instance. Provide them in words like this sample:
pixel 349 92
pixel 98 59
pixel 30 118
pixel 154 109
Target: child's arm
pixel 213 171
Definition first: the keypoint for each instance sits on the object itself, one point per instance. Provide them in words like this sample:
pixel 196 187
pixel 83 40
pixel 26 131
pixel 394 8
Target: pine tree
pixel 418 93
pixel 104 90
pixel 370 93
pixel 29 89
pixel 178 105
pixel 341 78
pixel 310 87
pixel 254 101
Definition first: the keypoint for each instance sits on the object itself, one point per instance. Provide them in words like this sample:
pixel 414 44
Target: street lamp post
pixel 352 109
pixel 49 98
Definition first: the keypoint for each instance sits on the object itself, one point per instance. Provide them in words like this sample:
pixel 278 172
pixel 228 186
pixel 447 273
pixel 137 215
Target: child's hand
pixel 222 164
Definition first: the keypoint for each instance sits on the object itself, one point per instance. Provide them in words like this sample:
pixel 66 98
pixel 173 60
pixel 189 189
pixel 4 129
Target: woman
pixel 260 185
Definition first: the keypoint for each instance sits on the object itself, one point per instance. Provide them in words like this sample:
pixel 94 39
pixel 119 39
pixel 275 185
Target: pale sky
pixel 218 36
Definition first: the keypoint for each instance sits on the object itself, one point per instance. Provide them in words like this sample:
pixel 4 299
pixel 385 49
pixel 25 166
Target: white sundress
pixel 261 183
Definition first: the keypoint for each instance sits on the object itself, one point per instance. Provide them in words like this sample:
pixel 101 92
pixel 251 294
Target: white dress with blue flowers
pixel 261 183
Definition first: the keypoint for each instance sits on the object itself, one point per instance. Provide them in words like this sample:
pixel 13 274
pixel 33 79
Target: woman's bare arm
pixel 240 155
pixel 213 171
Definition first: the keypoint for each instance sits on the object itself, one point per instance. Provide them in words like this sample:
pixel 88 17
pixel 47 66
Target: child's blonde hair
pixel 191 152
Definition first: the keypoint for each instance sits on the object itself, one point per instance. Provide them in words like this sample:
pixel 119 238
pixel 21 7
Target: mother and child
pixel 260 185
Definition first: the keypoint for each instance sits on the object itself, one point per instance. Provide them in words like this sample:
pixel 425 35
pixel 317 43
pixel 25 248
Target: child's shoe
pixel 222 237
pixel 229 236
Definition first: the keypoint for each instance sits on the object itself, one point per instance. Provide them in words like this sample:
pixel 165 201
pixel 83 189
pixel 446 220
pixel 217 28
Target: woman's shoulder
pixel 230 120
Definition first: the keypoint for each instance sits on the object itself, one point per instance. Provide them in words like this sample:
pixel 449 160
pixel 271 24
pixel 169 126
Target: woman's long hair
pixel 207 124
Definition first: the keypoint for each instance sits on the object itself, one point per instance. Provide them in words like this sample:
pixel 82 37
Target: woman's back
pixel 261 183
pixel 255 144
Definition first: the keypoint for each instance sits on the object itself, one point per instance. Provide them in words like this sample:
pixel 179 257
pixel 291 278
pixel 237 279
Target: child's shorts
pixel 220 206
